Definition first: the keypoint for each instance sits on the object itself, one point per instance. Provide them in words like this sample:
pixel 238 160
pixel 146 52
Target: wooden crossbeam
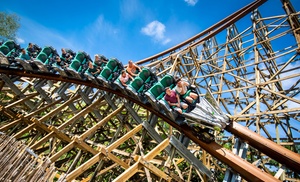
pixel 26 117
pixel 62 151
pixel 117 160
pixel 155 170
pixel 11 124
pixel 128 173
pixel 154 152
pixel 84 167
pixel 58 109
pixel 124 138
pixel 145 161
pixel 101 123
pixel 43 140
pixel 27 97
pixel 80 114
pixel 105 152
pixel 25 130
pixel 57 130
pixel 43 108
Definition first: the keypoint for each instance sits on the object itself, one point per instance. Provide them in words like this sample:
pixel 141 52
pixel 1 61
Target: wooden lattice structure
pixel 92 133
pixel 19 163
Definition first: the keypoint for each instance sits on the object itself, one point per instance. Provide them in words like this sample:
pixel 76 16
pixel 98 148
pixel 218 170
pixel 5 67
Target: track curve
pixel 247 170
pixel 261 98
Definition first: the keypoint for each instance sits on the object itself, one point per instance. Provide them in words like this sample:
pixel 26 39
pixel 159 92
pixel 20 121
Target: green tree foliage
pixel 9 24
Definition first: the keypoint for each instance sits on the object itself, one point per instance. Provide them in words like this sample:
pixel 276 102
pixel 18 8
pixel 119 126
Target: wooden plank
pixel 157 150
pixel 23 131
pixel 43 140
pixel 155 170
pixel 124 138
pixel 80 114
pixel 62 151
pixel 9 125
pixel 128 173
pixel 102 122
pixel 103 171
pixel 84 167
pixel 27 97
pixel 84 146
pixel 279 173
pixel 177 168
pixel 43 108
pixel 184 152
pixel 117 160
pixel 58 109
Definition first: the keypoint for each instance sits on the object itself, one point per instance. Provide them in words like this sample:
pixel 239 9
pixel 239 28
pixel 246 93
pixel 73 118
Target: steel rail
pixel 268 147
pixel 247 170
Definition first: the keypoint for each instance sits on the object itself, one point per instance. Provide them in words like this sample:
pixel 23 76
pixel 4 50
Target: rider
pixel 173 100
pixel 133 69
pixel 182 89
pixel 125 78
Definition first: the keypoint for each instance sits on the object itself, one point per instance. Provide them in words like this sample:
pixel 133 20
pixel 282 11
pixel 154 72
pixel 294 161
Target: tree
pixel 9 24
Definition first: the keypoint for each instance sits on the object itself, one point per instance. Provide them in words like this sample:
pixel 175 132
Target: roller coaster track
pixel 90 132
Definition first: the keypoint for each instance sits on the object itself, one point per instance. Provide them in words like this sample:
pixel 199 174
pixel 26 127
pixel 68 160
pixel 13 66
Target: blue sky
pixel 125 29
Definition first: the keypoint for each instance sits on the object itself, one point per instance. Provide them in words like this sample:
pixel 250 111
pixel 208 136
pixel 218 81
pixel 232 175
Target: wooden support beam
pixel 105 152
pixel 62 151
pixel 43 140
pixel 8 112
pixel 84 167
pixel 58 109
pixel 23 131
pixel 177 168
pixel 103 171
pixel 128 173
pixel 266 113
pixel 60 135
pixel 155 170
pixel 145 162
pixel 117 160
pixel 279 173
pixel 40 125
pixel 27 97
pixel 42 108
pixel 11 124
pixel 154 152
pixel 101 123
pixel 80 114
pixel 84 146
pixel 124 138
pixel 102 153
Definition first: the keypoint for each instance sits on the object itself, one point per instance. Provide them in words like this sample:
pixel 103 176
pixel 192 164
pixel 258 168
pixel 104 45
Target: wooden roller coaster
pixel 59 127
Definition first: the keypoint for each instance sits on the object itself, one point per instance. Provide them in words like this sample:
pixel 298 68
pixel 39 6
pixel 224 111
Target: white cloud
pixel 191 2
pixel 156 30
pixel 20 40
